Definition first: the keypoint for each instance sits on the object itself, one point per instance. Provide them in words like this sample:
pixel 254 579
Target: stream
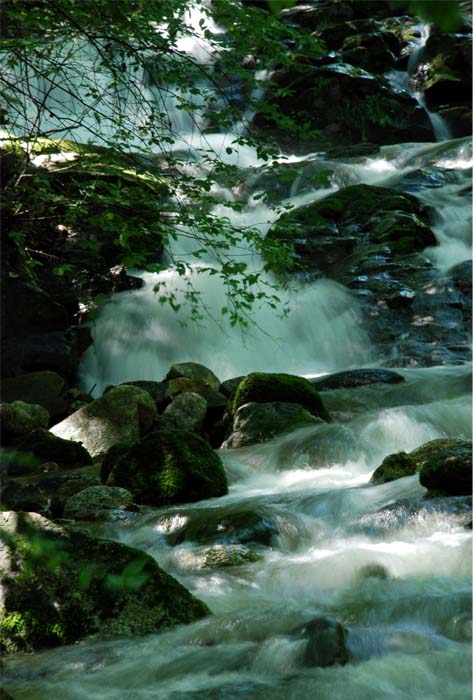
pixel 393 567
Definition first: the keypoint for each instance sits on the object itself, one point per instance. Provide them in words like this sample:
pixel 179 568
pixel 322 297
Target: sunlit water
pixel 409 631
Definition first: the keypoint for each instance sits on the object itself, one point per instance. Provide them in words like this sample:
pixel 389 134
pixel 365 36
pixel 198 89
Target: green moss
pixel 170 466
pixel 263 387
pixel 394 467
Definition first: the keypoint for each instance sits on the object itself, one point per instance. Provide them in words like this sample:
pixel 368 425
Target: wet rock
pixel 344 103
pixel 124 413
pixel 186 412
pixel 170 466
pixel 157 390
pixel 263 387
pixel 19 418
pixel 25 498
pixel 325 446
pixel 351 379
pixel 223 526
pixel 44 388
pixel 196 372
pixel 60 585
pixel 49 447
pixel 444 75
pixel 326 643
pixel 258 422
pixel 394 467
pixel 96 502
pixel 373 571
pixel 449 470
pixel 224 555
pixel 122 281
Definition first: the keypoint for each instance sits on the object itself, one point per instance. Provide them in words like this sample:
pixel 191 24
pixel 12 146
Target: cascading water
pixel 409 620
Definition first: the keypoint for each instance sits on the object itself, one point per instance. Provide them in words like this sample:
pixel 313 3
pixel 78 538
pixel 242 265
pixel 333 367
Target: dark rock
pixel 198 373
pixel 262 387
pixel 59 351
pixel 44 388
pixel 19 418
pixel 229 387
pixel 359 150
pixel 170 466
pixel 69 486
pixel 326 644
pixel 60 585
pixel 48 447
pixel 123 413
pixel 344 104
pixel 15 462
pixel 258 422
pixel 225 526
pixel 356 378
pixel 449 470
pixel 25 498
pixel 96 502
pixel 29 310
pixel 122 281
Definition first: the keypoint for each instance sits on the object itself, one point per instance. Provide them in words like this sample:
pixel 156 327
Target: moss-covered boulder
pixel 170 466
pixel 221 556
pixel 124 413
pixel 20 418
pixel 96 502
pixel 183 385
pixel 44 388
pixel 51 448
pixel 449 470
pixel 258 422
pixel 393 467
pixel 265 387
pixel 60 585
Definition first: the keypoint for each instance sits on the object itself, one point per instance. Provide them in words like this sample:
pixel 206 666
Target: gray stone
pixel 196 372
pixel 186 412
pixel 124 413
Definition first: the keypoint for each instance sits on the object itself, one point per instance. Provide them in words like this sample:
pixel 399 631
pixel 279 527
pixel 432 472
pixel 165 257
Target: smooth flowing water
pixel 394 568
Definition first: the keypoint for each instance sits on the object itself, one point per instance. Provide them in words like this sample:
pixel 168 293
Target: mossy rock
pixel 51 448
pixel 60 585
pixel 19 418
pixel 196 372
pixel 258 422
pixel 96 502
pixel 44 388
pixel 264 387
pixel 394 467
pixel 170 466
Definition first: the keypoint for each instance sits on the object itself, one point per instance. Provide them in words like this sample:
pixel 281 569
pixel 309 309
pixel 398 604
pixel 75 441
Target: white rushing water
pixel 409 622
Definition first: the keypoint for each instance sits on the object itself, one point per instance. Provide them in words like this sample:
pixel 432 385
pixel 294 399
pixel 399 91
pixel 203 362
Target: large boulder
pixel 60 585
pixel 186 412
pixel 196 372
pixel 44 388
pixel 19 418
pixel 444 465
pixel 258 422
pixel 51 448
pixel 124 413
pixel 264 387
pixel 169 466
pixel 96 502
pixel 449 470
